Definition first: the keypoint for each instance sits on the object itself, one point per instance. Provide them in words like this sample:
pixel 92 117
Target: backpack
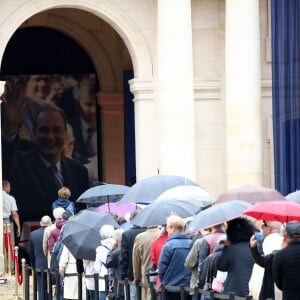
pixel 112 259
pixel 55 256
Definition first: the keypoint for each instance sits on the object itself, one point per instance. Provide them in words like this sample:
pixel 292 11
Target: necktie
pixel 57 178
pixel 89 142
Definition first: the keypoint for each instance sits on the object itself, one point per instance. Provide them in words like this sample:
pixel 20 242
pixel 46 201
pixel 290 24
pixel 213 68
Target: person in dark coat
pixel 126 266
pixel 38 173
pixel 171 269
pixel 235 258
pixel 265 261
pixel 286 263
pixel 37 257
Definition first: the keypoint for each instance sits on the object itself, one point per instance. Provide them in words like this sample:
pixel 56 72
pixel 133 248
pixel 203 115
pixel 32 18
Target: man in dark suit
pixel 286 263
pixel 37 173
pixel 37 257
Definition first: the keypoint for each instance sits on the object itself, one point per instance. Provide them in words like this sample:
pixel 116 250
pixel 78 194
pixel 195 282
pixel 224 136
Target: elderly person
pixel 37 257
pixel 106 236
pixel 173 256
pixel 57 214
pixel 286 263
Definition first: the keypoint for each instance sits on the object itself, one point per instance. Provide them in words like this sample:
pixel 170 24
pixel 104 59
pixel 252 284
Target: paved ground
pixel 8 290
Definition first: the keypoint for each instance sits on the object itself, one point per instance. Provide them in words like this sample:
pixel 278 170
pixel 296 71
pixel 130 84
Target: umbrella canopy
pixel 120 209
pixel 147 190
pixel 295 196
pixel 80 234
pixel 189 193
pixel 157 213
pixel 251 193
pixel 103 193
pixel 218 214
pixel 282 211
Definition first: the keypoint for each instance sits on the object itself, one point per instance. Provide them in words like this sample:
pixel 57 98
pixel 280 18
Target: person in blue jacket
pixel 174 252
pixel 63 200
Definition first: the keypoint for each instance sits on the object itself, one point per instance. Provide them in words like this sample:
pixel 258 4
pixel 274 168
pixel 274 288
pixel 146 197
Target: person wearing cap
pixel 286 263
pixel 37 257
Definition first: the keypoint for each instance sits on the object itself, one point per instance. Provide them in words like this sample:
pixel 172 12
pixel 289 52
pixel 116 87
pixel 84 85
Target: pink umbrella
pixel 251 193
pixel 120 209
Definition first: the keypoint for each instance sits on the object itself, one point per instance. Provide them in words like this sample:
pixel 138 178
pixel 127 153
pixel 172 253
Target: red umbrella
pixel 251 193
pixel 282 211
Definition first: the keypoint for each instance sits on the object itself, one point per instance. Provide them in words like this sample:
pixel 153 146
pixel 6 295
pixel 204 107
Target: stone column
pixel 112 127
pixel 243 93
pixel 2 84
pixel 175 98
pixel 145 128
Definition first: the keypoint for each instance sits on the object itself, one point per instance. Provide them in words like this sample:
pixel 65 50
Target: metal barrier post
pixel 163 291
pixel 152 290
pixel 49 284
pixel 16 271
pixel 4 248
pixel 127 289
pixel 96 282
pixel 138 289
pixel 79 286
pixel 182 292
pixel 26 280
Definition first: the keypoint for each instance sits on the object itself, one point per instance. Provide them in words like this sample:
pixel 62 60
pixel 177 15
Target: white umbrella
pixel 189 193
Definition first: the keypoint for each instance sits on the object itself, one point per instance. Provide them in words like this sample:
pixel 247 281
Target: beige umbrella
pixel 251 193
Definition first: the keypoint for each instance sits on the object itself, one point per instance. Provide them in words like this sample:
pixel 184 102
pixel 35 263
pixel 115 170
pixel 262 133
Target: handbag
pixel 217 285
pixel 218 281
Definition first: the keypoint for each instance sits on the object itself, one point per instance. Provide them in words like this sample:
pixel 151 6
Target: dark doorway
pixel 39 50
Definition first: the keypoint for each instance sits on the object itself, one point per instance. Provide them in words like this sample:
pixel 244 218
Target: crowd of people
pixel 243 256
pixel 228 258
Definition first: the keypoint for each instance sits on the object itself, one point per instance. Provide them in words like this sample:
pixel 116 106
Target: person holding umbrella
pixel 286 263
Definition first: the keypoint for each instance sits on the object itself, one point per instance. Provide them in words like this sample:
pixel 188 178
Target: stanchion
pixel 23 263
pixel 5 248
pixel 17 275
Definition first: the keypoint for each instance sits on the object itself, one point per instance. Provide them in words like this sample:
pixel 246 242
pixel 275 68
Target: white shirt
pixel 9 204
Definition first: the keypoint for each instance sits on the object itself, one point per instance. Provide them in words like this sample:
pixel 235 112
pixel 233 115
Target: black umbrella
pixel 80 234
pixel 147 190
pixel 158 212
pixel 217 214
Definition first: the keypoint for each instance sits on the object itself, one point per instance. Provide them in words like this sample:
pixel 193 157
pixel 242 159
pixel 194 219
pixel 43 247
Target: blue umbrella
pixel 158 212
pixel 217 214
pixel 147 190
pixel 103 193
pixel 294 196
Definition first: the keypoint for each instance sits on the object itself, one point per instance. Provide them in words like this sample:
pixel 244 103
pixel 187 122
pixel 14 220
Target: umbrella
pixel 157 213
pixel 147 190
pixel 119 209
pixel 189 193
pixel 103 193
pixel 282 211
pixel 295 196
pixel 218 214
pixel 80 234
pixel 251 193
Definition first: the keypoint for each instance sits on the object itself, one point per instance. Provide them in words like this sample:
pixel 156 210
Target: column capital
pixel 142 89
